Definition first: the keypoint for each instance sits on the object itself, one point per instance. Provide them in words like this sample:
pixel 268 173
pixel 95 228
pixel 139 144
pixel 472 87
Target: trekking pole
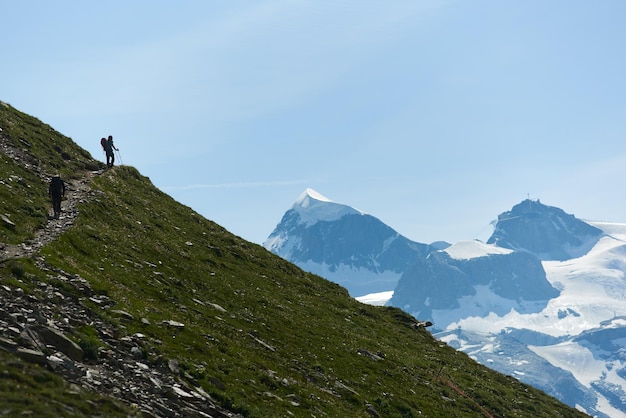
pixel 119 156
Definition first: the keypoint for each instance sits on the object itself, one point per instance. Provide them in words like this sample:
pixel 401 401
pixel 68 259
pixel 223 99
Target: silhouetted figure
pixel 56 190
pixel 108 148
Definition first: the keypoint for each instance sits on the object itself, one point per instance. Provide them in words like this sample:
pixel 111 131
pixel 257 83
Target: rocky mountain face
pixel 342 244
pixel 547 232
pixel 439 287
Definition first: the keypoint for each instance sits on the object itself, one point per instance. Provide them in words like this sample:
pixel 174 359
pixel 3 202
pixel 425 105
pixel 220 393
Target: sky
pixel 434 116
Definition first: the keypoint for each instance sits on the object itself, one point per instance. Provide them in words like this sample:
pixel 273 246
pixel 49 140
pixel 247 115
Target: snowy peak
pixel 314 207
pixel 343 244
pixel 309 194
pixel 546 231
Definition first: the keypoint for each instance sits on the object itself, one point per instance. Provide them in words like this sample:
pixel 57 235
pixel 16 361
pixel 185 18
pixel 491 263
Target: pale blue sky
pixel 434 116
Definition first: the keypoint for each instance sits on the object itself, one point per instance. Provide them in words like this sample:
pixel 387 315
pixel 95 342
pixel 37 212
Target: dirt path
pixel 77 191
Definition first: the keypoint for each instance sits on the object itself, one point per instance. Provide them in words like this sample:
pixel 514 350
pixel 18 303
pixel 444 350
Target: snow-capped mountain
pixel 559 325
pixel 472 278
pixel 575 348
pixel 543 300
pixel 343 244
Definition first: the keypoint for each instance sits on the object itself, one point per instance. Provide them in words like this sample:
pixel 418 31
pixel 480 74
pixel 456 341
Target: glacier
pixel 574 348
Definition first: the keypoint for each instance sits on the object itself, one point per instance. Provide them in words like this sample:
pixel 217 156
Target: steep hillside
pixel 145 308
pixel 31 153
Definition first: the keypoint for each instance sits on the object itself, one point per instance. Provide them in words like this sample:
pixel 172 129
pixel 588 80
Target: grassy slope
pixel 286 342
pixel 43 152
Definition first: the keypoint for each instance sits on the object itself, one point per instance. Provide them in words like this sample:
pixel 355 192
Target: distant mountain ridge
pixel 533 302
pixel 487 280
pixel 343 244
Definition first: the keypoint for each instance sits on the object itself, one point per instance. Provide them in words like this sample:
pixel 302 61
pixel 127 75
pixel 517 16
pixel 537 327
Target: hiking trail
pixel 76 191
pixel 36 325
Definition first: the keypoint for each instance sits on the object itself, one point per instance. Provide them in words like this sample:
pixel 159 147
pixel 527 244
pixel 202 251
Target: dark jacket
pixel 57 187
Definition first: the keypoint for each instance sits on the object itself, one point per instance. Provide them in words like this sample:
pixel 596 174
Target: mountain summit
pixel 314 207
pixel 546 231
pixel 343 244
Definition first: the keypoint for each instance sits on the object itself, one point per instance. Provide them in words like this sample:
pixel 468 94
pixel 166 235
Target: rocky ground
pixel 35 326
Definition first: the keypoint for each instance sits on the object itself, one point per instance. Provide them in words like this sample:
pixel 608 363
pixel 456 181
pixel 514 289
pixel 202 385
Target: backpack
pixel 56 185
pixel 103 142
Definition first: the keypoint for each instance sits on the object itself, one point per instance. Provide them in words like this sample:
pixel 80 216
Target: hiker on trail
pixel 108 148
pixel 56 190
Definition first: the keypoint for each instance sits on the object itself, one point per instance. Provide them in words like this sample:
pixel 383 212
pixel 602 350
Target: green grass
pixel 260 335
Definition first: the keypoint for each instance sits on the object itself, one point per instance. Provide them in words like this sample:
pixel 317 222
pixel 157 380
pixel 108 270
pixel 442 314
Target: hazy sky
pixel 434 116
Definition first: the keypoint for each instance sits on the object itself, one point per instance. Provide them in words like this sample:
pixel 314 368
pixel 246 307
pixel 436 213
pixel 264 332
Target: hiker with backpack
pixel 107 145
pixel 56 190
